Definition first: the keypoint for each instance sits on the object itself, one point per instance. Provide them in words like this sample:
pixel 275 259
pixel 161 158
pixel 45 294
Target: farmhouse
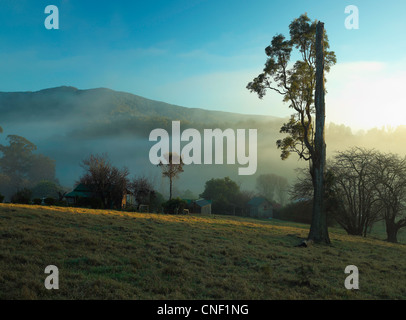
pixel 260 207
pixel 202 206
pixel 80 192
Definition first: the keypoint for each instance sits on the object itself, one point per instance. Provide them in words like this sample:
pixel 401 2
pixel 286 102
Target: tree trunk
pixel 170 188
pixel 392 231
pixel 318 229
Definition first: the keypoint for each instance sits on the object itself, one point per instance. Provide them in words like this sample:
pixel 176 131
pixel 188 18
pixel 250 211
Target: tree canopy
pixel 224 194
pixel 295 82
pixel 20 167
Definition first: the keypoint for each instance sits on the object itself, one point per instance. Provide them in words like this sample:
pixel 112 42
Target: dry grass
pixel 120 255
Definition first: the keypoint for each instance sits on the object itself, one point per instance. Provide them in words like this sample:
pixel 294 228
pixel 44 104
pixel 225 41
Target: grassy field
pixel 120 255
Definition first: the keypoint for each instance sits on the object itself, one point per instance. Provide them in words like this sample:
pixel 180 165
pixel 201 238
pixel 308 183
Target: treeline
pixel 362 187
pixel 108 184
pixel 228 198
pixel 25 175
pixel 29 178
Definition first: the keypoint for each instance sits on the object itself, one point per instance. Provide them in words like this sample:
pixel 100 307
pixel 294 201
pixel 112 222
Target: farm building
pixel 260 207
pixel 80 192
pixel 202 206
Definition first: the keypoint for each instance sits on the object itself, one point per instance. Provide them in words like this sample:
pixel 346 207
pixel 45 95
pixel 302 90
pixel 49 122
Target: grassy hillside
pixel 119 255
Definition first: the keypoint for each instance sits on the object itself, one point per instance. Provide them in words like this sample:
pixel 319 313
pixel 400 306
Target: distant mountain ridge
pixel 100 103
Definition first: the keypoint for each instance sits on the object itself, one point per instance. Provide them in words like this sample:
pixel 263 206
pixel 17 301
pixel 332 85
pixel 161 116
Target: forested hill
pixel 106 112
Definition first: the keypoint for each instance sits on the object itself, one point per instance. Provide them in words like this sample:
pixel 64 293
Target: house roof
pixel 81 190
pixel 257 201
pixel 75 194
pixel 202 202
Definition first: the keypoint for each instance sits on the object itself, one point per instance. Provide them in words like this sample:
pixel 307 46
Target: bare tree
pixel 390 183
pixel 350 194
pixel 142 190
pixel 107 182
pixel 359 206
pixel 302 189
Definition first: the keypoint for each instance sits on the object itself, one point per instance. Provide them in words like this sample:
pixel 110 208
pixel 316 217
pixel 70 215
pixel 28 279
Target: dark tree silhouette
pixel 142 190
pixel 106 181
pixel 390 183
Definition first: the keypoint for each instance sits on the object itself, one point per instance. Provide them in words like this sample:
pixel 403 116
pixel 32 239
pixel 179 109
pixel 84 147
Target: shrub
pixel 49 201
pixel 22 197
pixel 61 203
pixel 93 203
pixel 156 202
pixel 1 198
pixel 174 206
pixel 37 201
pixel 300 212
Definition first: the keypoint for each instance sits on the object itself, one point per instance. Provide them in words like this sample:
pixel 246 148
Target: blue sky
pixel 199 53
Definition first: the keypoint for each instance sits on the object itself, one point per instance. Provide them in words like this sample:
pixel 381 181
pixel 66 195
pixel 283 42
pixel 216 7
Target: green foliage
pixel 61 203
pixel 20 167
pixel 296 84
pixel 22 197
pixel 93 203
pixel 174 206
pixel 46 189
pixel 1 198
pixel 156 202
pixel 16 159
pixel 49 201
pixel 224 194
pixel 300 212
pixel 295 139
